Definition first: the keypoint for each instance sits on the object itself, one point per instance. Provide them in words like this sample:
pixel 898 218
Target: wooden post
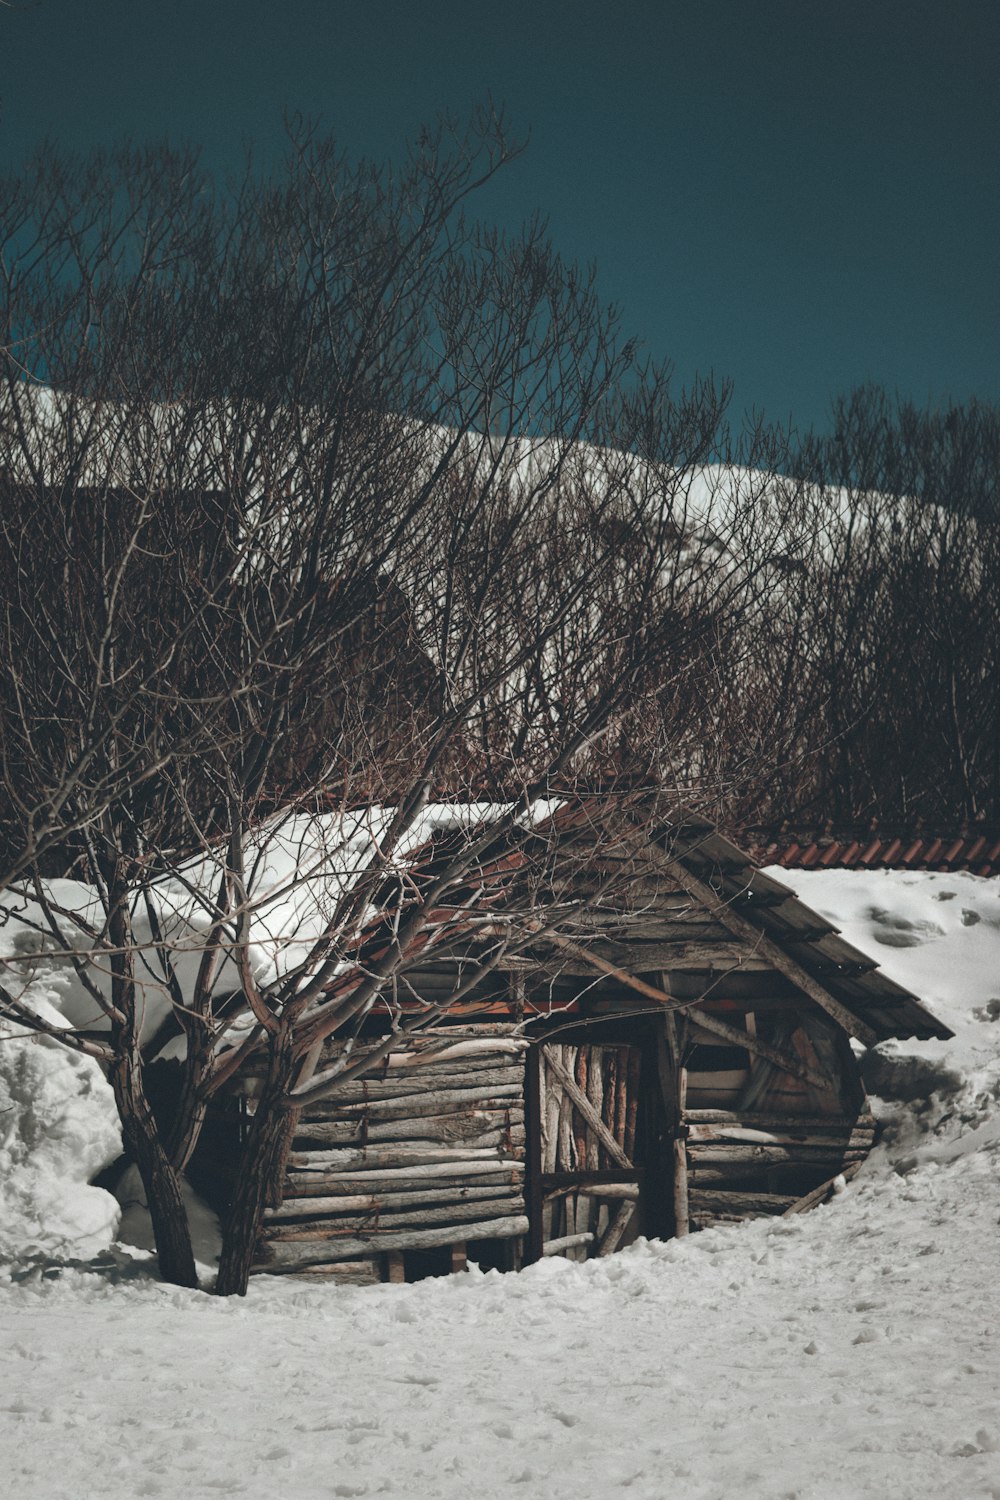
pixel 459 1259
pixel 580 1122
pixel 533 1155
pixel 395 1266
pixel 681 1212
pixel 670 1048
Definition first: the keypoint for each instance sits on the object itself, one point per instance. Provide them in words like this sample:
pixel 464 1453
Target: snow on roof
pixel 298 866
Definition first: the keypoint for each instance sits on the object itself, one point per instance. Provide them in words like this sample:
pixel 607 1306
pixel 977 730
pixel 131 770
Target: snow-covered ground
pixel 844 1354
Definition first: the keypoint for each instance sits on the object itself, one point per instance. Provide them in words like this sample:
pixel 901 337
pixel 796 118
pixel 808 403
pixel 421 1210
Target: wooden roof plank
pixel 766 947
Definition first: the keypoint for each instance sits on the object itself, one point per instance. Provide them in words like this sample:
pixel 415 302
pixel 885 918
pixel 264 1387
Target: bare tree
pixel 325 510
pixel 869 677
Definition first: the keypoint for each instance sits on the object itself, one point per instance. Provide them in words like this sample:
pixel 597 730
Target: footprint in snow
pixel 567 1418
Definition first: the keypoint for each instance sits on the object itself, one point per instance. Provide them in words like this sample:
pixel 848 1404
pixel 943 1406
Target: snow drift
pixel 58 1128
pixel 847 1354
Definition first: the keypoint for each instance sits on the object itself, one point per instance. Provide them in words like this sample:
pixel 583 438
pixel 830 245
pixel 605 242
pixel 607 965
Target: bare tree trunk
pixel 261 1167
pixel 162 1186
pixel 140 1131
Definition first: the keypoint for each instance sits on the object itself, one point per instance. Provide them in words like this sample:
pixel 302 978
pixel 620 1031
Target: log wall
pixel 744 1165
pixel 428 1152
pixel 425 1153
pixel 759 1140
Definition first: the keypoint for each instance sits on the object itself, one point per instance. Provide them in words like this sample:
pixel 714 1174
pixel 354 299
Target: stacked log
pixel 742 1165
pixel 426 1152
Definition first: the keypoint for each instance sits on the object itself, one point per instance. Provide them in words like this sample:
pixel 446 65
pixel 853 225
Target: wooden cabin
pixel 682 1055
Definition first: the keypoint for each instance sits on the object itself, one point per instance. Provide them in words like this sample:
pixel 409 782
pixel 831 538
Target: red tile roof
pixel 978 853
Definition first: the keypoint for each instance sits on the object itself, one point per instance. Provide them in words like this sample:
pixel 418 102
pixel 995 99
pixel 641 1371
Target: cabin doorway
pixel 587 1173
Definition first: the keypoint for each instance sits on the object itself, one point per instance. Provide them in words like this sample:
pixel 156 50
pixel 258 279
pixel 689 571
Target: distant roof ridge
pixel 971 848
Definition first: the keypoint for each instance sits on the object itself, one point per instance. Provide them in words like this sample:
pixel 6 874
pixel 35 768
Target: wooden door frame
pixel 536 1182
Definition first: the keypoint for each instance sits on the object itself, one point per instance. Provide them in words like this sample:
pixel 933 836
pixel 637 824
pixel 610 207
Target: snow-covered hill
pixel 845 1354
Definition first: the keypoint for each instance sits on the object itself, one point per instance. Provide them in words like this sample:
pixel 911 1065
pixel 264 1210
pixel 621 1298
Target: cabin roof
pixel 638 888
pixel 850 976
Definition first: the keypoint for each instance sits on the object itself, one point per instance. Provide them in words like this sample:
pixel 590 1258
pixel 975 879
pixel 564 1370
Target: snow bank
pixel 939 935
pixel 58 1127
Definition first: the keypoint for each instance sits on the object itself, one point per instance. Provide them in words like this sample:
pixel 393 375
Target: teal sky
pixel 800 195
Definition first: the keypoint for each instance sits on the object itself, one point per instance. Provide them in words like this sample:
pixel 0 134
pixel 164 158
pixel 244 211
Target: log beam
pixel 368 1203
pixel 299 1182
pixel 566 1242
pixel 612 1236
pixel 319 1251
pixel 379 1222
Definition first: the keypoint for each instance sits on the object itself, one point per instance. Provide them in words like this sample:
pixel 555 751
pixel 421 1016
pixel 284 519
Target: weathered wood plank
pixel 342 1273
pixel 708 954
pixel 579 1075
pixel 420 1104
pixel 567 1242
pixel 318 1251
pixel 599 1190
pixel 633 1090
pixel 717 956
pixel 710 1155
pixel 707 1200
pixel 310 1206
pixel 404 1079
pixel 753 1135
pixel 375 1091
pixel 381 1223
pixel 483 1128
pixel 471 1067
pixel 535 1104
pixel 612 1236
pixel 436 1054
pixel 670 1038
pixel 566 1154
pixel 549 1098
pixel 298 1184
pixel 398 1154
pixel 595 1093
